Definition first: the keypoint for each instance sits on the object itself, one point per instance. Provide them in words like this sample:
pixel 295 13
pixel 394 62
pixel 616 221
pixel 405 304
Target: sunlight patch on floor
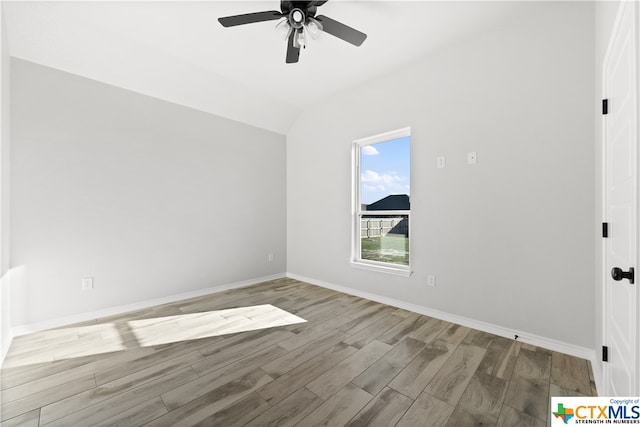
pixel 183 327
pixel 64 343
pixel 80 341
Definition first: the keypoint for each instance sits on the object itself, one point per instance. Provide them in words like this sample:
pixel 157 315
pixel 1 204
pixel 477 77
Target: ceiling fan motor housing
pixel 298 12
pixel 296 18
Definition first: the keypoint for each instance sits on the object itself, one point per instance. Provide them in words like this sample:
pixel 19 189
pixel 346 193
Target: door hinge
pixel 605 106
pixel 605 353
pixel 605 229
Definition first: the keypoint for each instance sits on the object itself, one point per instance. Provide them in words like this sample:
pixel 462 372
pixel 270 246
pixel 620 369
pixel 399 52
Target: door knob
pixel 618 274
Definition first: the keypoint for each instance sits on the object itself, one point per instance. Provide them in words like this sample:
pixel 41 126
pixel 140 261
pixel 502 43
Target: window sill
pixel 397 270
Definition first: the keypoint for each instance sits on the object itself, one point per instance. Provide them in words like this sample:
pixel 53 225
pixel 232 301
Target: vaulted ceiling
pixel 177 51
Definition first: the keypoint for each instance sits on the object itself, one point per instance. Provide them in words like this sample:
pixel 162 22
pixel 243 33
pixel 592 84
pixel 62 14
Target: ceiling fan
pixel 297 19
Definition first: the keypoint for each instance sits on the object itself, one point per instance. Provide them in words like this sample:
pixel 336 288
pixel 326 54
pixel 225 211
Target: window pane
pixel 384 175
pixel 385 238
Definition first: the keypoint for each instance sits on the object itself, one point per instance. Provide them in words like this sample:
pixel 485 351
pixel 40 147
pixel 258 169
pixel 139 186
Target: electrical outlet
pixel 87 283
pixel 431 281
pixel 441 162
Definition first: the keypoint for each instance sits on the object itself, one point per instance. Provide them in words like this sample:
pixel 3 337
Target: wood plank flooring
pixel 281 353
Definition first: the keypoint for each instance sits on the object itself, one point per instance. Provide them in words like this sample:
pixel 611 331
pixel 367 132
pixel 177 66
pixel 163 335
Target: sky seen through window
pixel 384 169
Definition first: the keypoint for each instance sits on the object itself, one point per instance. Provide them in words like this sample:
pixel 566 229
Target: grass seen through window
pixel 392 248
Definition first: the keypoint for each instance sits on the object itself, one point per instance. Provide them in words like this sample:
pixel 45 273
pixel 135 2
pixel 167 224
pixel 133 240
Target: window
pixel 381 202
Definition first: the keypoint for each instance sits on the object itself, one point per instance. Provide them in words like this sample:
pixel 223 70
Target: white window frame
pixel 357 212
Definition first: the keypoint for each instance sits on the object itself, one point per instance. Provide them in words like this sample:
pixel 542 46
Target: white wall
pixel 605 14
pixel 509 239
pixel 150 198
pixel 5 333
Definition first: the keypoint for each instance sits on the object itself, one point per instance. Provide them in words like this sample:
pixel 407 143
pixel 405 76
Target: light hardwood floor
pixel 281 353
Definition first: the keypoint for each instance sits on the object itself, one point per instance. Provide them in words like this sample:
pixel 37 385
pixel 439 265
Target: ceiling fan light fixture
pixel 284 29
pixel 314 27
pixel 299 40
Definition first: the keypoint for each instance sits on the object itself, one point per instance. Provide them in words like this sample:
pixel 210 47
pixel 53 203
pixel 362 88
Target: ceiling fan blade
pixel 317 2
pixel 250 18
pixel 341 30
pixel 293 53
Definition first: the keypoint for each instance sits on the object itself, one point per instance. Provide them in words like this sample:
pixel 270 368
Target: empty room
pixel 303 213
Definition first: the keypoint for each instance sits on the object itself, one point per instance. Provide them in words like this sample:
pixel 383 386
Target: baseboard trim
pixel 598 374
pixel 69 320
pixel 549 344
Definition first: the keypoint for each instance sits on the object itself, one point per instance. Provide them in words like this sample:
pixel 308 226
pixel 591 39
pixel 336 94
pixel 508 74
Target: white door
pixel 620 197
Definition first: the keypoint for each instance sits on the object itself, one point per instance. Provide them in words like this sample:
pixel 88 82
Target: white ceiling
pixel 177 51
